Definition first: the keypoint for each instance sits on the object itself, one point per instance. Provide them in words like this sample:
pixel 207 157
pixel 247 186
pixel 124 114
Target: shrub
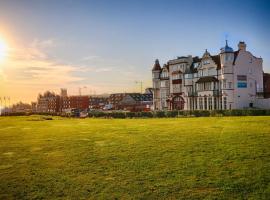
pixel 160 114
pixel 98 114
pixel 120 115
pixel 131 114
pixel 147 114
pixel 200 113
pixel 47 118
pixel 173 113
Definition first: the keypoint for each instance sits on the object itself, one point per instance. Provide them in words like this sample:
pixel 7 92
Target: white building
pixel 229 80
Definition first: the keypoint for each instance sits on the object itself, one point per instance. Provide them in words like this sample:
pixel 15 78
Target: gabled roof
pixel 235 56
pixel 196 59
pixel 216 59
pixel 142 97
pixel 207 79
pixel 156 66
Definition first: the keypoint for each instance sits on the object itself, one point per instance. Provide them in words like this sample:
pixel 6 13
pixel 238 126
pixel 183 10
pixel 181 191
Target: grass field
pixel 188 158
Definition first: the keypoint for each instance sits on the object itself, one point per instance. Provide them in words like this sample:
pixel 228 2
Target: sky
pixel 106 46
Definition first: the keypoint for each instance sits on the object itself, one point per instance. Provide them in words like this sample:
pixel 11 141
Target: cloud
pixel 42 44
pixel 30 65
pixel 29 70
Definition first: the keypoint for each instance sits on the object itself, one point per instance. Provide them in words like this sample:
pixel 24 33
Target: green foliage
pixel 173 113
pixel 146 114
pixel 131 114
pixel 116 115
pixel 182 113
pixel 160 114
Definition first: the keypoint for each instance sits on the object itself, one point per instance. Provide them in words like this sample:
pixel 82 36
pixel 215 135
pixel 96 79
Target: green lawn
pixel 186 158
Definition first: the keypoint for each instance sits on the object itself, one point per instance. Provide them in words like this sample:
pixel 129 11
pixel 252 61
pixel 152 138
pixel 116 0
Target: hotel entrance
pixel 176 103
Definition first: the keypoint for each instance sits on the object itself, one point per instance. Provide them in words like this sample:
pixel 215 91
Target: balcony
pixel 260 93
pixel 217 93
pixel 192 94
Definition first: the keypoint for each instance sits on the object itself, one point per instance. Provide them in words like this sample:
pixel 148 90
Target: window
pixel 162 84
pixel 200 103
pixel 210 103
pixel 224 84
pixel 220 103
pixel 205 103
pixel 230 85
pixel 176 76
pixel 205 62
pixel 164 74
pixel 188 76
pixel 200 73
pixel 225 103
pixel 215 103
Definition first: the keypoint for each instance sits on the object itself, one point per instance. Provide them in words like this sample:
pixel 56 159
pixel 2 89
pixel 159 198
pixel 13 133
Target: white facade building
pixel 229 80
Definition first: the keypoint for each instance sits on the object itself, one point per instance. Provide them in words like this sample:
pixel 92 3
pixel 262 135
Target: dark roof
pixel 235 56
pixel 196 59
pixel 207 79
pixel 180 57
pixel 142 97
pixel 156 66
pixel 216 59
pixel 193 69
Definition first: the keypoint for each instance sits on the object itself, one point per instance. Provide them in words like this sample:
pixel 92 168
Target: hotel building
pixel 228 80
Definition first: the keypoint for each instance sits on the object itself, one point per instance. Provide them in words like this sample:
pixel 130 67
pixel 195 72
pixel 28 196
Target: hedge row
pixel 195 113
pixel 162 114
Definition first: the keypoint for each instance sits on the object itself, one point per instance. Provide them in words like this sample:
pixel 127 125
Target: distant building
pixel 34 107
pixel 54 104
pixel 98 102
pixel 228 80
pixel 148 91
pixel 79 102
pixel 114 100
pixel 136 102
pixel 43 101
pixel 21 108
pixel 63 92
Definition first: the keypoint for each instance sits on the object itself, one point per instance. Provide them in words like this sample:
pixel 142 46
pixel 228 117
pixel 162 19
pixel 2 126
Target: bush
pixel 160 114
pixel 120 115
pixel 131 114
pixel 147 114
pixel 200 113
pixel 181 113
pixel 173 113
pixel 47 118
pixel 97 114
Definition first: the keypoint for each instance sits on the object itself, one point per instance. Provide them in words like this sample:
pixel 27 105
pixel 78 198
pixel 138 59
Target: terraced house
pixel 228 80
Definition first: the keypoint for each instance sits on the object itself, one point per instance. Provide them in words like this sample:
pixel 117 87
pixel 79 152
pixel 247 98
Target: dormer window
pixel 164 74
pixel 205 62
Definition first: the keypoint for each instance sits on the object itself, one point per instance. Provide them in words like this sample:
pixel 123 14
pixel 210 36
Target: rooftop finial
pixel 226 42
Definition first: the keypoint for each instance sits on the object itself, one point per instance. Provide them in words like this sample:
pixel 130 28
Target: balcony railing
pixel 192 94
pixel 217 93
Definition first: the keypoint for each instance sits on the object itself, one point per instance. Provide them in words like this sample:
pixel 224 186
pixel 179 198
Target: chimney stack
pixel 242 46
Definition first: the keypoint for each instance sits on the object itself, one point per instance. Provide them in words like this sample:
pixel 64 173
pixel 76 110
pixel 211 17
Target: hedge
pixel 181 113
pixel 162 114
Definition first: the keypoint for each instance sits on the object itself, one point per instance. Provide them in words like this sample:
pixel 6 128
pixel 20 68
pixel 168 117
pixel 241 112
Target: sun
pixel 3 49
